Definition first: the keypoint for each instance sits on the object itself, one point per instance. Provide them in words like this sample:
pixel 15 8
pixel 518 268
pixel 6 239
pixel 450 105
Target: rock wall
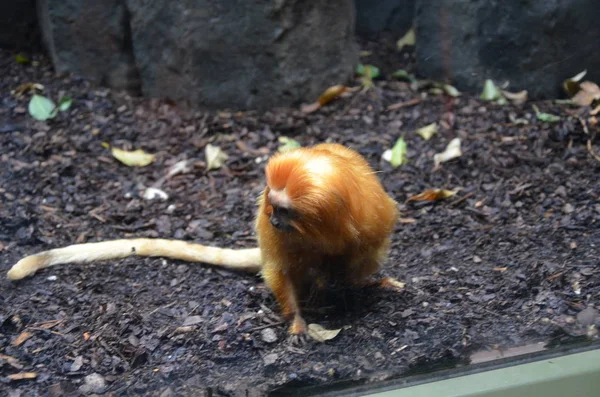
pixel 90 38
pixel 374 17
pixel 251 54
pixel 18 25
pixel 533 45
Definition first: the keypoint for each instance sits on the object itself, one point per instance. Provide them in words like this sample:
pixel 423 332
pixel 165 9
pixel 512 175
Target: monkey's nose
pixel 275 222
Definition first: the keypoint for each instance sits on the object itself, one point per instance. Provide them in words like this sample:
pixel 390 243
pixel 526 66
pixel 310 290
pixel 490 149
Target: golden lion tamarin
pixel 323 217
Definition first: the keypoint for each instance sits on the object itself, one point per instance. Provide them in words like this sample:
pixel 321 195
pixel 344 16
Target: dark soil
pixel 512 259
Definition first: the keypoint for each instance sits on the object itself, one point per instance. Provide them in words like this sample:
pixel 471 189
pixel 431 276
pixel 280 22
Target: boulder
pixel 242 54
pixel 532 45
pixel 90 38
pixel 374 17
pixel 18 25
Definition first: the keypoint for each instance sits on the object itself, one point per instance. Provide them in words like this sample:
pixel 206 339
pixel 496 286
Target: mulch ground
pixel 511 259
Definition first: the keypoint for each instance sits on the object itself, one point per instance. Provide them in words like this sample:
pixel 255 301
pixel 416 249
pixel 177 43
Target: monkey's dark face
pixel 281 218
pixel 281 214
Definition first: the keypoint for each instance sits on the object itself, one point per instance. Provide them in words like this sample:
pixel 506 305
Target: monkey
pixel 323 217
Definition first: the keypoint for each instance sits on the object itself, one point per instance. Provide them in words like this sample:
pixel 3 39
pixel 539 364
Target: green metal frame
pixel 572 375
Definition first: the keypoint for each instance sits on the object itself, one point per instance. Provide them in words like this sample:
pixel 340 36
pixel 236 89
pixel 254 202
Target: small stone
pixel 77 364
pixel 268 335
pixel 94 383
pixel 587 316
pixel 570 320
pixel 192 320
pixel 561 191
pixel 20 110
pixel 476 259
pixel 568 208
pixel 270 359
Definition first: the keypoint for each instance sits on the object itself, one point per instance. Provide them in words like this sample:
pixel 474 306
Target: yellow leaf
pixel 136 158
pixel 215 157
pixel 516 97
pixel 408 39
pixel 432 195
pixel 22 338
pixel 331 93
pixel 321 334
pixel 571 85
pixel 22 375
pixel 428 131
pixel 452 151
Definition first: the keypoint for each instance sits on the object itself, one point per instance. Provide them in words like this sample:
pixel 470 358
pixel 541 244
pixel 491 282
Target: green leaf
pixel 547 117
pixel 368 71
pixel 287 144
pixel 41 108
pixel 399 153
pixel 215 157
pixel 403 75
pixel 490 91
pixel 451 90
pixel 21 59
pixel 428 131
pixel 408 39
pixel 64 103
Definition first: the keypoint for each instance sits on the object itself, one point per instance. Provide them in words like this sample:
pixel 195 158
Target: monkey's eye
pixel 282 217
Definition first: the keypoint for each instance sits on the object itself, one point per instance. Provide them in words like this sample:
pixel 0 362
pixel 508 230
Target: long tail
pixel 240 259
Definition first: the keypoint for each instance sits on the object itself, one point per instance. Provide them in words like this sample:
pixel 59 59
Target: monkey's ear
pixel 268 209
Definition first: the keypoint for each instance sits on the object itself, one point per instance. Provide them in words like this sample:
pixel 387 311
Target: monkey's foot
pixel 297 331
pixel 391 284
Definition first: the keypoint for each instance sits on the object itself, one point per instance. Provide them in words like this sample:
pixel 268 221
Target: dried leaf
pixel 27 87
pixel 517 98
pixel 135 158
pixel 432 195
pixel 588 93
pixel 452 151
pixel 397 155
pixel 547 117
pixel 215 157
pixel 22 376
pixel 331 93
pixel 571 85
pixel 41 108
pixel 22 338
pixel 11 360
pixel 428 131
pixel 321 334
pixel 408 39
pixel 287 144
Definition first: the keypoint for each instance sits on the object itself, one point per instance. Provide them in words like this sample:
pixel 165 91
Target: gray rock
pixel 534 45
pixel 90 38
pixel 18 25
pixel 374 17
pixel 93 383
pixel 268 335
pixel 250 54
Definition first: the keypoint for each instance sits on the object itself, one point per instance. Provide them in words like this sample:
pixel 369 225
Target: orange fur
pixel 341 233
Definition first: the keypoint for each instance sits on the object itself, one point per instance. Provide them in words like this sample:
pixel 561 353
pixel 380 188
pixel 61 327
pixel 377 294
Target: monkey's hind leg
pixel 389 283
pixel 283 288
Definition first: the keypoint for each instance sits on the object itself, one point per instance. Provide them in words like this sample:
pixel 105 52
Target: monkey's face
pixel 279 209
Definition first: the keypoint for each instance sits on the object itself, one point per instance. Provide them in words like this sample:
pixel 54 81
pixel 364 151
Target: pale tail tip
pixel 23 268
